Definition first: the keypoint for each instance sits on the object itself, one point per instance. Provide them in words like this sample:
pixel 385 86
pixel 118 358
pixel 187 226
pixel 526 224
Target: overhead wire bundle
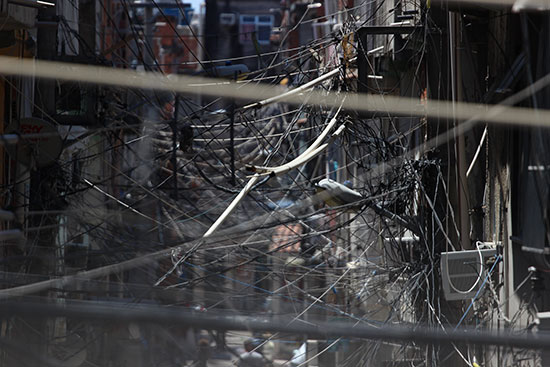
pixel 215 207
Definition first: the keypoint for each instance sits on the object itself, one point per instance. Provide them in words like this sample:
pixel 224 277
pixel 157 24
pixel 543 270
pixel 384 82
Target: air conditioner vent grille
pixel 462 273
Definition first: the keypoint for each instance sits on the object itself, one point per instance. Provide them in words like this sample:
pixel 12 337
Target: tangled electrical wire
pixel 165 167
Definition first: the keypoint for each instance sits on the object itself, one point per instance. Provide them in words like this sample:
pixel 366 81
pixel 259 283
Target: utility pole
pixel 45 107
pixel 455 63
pixel 440 66
pixel 211 26
pixel 232 136
pixel 175 145
pixel 87 24
pixel 43 242
pixel 148 57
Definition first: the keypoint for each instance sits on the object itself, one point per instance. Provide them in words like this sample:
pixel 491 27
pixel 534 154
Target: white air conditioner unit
pixel 463 272
pixel 228 19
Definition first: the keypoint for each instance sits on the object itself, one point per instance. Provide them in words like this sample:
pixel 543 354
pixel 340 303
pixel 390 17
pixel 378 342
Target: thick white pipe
pixel 233 205
pixel 294 91
pixel 313 151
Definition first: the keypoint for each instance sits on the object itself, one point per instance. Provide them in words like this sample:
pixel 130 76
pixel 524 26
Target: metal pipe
pixel 325 330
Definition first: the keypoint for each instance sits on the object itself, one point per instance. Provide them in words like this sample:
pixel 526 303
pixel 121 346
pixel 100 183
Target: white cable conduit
pixel 292 92
pixel 315 149
pixel 478 150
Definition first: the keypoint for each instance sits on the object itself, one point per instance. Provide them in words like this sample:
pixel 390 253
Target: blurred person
pixel 251 358
pixel 265 347
pixel 299 355
pixel 203 352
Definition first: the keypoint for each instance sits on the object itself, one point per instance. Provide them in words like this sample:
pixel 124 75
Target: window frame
pixel 247 36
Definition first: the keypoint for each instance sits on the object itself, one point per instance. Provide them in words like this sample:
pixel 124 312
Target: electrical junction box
pixel 463 272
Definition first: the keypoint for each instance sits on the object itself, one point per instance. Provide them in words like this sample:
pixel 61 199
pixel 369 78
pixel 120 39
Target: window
pixel 259 24
pixel 227 19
